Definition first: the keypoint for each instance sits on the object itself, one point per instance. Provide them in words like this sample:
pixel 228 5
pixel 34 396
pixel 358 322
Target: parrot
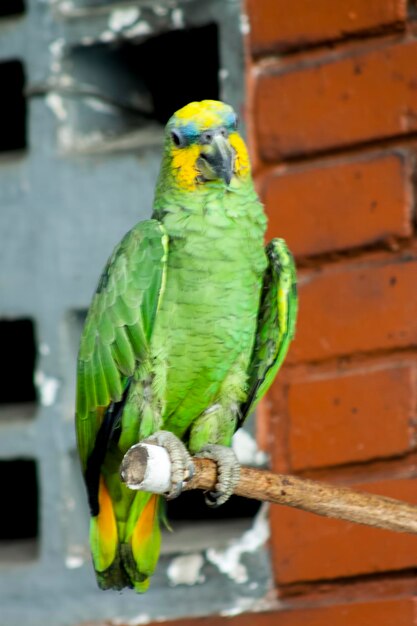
pixel 190 322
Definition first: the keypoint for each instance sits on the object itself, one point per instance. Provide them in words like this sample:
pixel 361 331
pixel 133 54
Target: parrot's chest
pixel 207 320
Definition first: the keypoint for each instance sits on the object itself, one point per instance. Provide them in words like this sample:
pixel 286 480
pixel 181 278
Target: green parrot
pixel 190 322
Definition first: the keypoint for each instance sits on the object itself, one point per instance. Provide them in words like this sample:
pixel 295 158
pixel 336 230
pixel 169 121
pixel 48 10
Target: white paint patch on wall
pixel 177 17
pixel 74 562
pixel 107 36
pixel 56 104
pixel 186 570
pixel 101 107
pixel 246 449
pixel 57 48
pixel 123 18
pixel 242 605
pixel 244 25
pixel 228 560
pixel 44 349
pixel 47 387
pixel 141 28
pixel 142 618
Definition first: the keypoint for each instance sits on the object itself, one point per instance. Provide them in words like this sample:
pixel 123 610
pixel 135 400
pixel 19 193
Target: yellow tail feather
pixel 103 531
pixel 145 541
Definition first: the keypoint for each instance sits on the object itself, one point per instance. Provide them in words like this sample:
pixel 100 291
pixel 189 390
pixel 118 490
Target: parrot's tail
pixel 125 555
pixel 140 553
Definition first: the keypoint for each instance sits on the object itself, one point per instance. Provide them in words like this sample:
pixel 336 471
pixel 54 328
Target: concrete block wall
pixel 78 162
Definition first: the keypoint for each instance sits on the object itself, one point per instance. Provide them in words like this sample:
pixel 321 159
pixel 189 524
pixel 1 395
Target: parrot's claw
pixel 228 472
pixel 182 466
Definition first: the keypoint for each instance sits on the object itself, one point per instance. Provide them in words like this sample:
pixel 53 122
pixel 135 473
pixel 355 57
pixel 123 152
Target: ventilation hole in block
pixel 176 80
pixel 19 527
pixel 197 527
pixel 12 107
pixel 11 7
pixel 190 506
pixel 130 86
pixel 17 391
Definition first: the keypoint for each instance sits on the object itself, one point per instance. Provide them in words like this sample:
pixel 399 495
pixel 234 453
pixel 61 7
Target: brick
pixel 369 95
pixel 352 417
pixel 307 547
pixel 279 25
pixel 384 612
pixel 356 307
pixel 335 206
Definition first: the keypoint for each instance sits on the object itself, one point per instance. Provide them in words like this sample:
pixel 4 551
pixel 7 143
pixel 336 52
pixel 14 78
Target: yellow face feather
pixel 242 163
pixel 192 121
pixel 184 164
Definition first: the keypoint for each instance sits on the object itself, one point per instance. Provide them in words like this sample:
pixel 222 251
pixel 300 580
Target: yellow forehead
pixel 205 114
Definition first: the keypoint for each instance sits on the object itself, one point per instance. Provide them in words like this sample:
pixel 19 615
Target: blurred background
pixel 327 93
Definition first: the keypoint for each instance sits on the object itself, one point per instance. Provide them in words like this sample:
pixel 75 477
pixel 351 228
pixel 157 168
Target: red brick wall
pixel 332 116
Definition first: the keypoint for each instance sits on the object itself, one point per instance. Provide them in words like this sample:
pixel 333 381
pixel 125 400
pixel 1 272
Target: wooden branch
pixel 147 468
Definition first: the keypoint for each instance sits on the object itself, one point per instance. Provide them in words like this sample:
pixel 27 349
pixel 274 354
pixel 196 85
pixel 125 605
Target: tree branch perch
pixel 147 467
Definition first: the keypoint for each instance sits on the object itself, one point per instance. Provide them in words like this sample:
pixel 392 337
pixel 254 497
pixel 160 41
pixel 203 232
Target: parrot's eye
pixel 177 139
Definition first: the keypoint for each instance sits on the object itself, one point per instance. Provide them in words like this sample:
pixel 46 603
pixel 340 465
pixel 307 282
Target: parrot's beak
pixel 217 159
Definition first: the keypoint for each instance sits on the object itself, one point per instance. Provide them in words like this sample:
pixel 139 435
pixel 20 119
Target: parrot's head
pixel 203 145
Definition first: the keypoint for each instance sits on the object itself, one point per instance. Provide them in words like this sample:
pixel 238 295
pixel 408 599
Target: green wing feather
pixel 118 326
pixel 276 323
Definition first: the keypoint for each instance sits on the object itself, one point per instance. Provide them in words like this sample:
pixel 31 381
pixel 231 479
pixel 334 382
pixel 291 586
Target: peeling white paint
pixel 44 349
pixel 142 618
pixel 242 605
pixel 186 570
pixel 74 561
pixel 244 24
pixel 87 41
pixel 65 80
pixel 69 141
pixel 246 449
pixel 141 28
pixel 228 559
pixel 177 17
pixel 56 48
pixel 107 36
pixel 99 106
pixel 47 387
pixel 123 18
pixel 56 104
pixel 223 73
pixel 66 7
pixel 160 10
pixel 65 138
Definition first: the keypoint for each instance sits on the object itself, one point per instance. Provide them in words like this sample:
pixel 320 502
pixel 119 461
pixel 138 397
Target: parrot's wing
pixel 118 326
pixel 276 323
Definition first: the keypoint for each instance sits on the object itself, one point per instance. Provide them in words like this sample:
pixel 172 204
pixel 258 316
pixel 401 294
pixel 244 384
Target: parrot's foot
pixel 228 472
pixel 182 466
